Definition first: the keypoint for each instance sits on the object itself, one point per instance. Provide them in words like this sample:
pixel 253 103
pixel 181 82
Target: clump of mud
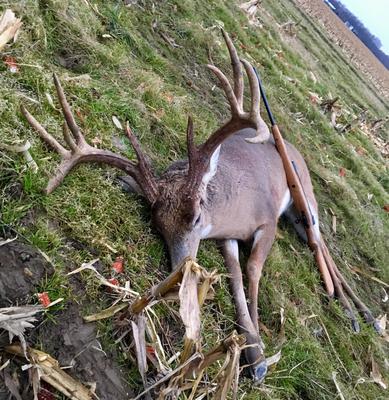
pixel 73 342
pixel 21 270
pixel 68 338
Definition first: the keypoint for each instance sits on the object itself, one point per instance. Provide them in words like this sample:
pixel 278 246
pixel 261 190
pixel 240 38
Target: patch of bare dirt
pixel 74 343
pixel 21 269
pixel 68 338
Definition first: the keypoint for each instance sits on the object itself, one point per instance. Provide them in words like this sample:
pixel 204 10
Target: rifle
pixel 298 196
pixel 333 280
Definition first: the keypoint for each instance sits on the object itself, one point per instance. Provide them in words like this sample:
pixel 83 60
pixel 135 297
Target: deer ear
pixel 129 185
pixel 212 168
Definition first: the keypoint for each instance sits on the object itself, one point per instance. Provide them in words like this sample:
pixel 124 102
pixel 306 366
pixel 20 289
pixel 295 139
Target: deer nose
pixel 181 250
pixel 259 372
pixel 178 260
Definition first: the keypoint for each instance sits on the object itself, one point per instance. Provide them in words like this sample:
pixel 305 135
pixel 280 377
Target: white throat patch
pixel 285 203
pixel 206 231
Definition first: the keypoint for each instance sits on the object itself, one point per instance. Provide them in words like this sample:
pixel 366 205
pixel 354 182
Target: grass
pixel 136 75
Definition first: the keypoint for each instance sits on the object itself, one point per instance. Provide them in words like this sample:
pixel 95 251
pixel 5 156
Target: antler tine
pixel 200 156
pixel 67 112
pixel 143 164
pixel 254 90
pixel 43 133
pixel 234 104
pixel 68 137
pixel 81 152
pixel 190 140
pixel 236 68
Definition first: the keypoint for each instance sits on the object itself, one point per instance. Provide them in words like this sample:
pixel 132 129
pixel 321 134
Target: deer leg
pixel 362 308
pixel 263 240
pixel 254 350
pixel 337 280
pixel 294 217
pixel 340 294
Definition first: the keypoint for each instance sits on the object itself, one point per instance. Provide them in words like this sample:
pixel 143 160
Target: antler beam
pixel 80 151
pixel 200 156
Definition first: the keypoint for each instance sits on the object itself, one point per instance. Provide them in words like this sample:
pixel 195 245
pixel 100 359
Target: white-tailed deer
pixel 228 189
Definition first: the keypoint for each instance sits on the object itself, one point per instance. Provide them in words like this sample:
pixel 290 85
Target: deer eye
pixel 197 220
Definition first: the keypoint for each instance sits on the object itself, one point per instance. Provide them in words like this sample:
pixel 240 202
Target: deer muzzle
pixel 182 248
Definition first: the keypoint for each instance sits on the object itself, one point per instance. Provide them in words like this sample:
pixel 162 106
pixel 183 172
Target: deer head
pixel 178 198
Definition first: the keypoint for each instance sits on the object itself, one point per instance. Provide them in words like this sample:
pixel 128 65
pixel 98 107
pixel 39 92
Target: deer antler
pixel 80 151
pixel 199 156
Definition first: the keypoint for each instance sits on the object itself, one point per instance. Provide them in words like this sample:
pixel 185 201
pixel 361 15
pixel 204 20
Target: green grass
pixel 137 76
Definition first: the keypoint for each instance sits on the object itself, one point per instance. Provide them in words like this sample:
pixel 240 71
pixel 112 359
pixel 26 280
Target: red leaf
pixel 113 281
pixel 45 393
pixel 118 265
pixel 12 64
pixel 361 151
pixel 44 299
pixel 80 115
pixel 150 350
pixel 342 172
pixel 314 98
pixel 386 207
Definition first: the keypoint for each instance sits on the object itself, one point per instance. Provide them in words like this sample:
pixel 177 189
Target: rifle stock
pixel 301 203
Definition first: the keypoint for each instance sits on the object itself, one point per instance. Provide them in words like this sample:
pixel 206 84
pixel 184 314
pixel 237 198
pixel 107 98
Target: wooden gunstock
pixel 301 203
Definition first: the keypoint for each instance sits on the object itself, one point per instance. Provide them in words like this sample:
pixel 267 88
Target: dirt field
pixel 352 47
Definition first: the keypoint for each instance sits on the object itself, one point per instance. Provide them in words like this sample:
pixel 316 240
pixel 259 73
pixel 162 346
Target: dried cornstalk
pixel 190 308
pixel 210 278
pixel 192 298
pixel 9 27
pixel 172 294
pixel 329 104
pixel 290 28
pixel 230 349
pixel 25 150
pixel 169 376
pixel 49 370
pixel 177 380
pixel 338 389
pixel 167 288
pixel 158 291
pixel 107 313
pixel 15 320
pixel 119 289
pixel 230 376
pixel 189 302
pixel 138 332
pixel 195 283
pixel 251 9
pixel 216 353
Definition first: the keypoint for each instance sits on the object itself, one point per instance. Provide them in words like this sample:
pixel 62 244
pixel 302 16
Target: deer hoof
pixel 259 372
pixel 377 327
pixel 355 326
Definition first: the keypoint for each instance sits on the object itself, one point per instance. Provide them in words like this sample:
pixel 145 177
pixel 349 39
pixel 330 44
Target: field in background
pixel 146 63
pixel 354 50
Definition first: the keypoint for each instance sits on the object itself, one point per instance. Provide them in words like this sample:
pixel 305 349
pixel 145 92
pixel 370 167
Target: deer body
pixel 232 188
pixel 237 204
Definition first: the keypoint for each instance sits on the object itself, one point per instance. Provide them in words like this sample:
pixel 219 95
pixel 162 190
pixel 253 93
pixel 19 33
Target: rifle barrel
pixel 264 98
